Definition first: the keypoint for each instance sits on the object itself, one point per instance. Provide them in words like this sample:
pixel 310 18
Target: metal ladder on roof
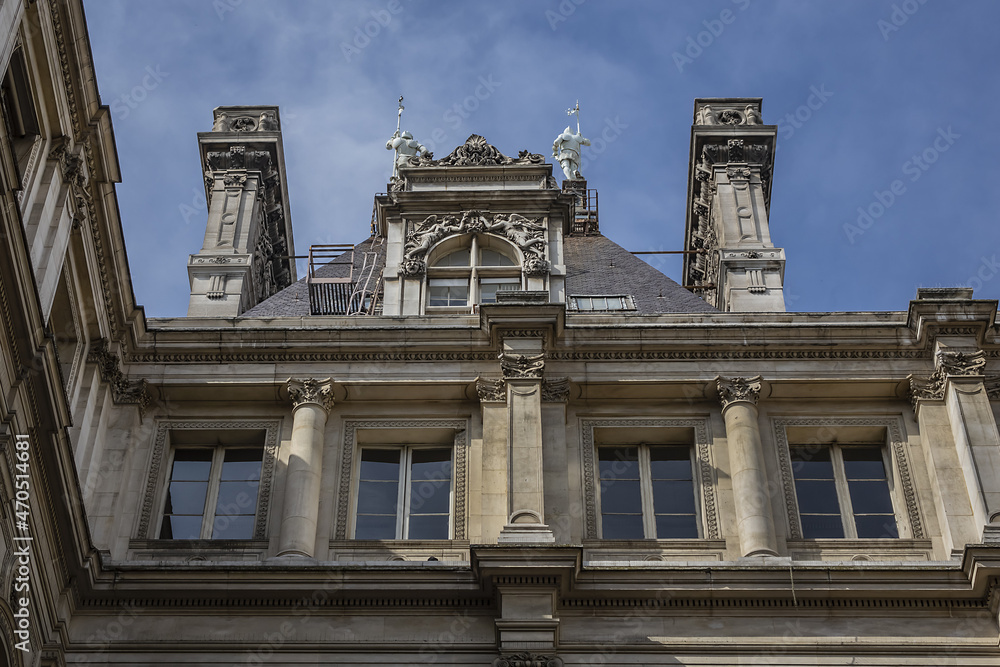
pixel 365 295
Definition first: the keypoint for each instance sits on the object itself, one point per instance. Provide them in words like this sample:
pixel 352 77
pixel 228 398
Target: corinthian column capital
pixel 733 390
pixel 310 390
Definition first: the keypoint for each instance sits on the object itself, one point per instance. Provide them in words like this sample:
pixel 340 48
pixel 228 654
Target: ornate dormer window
pixel 464 272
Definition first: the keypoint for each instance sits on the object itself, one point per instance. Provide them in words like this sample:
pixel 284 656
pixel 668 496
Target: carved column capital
pixel 522 366
pixel 737 389
pixel 310 390
pixel 491 390
pixel 555 390
pixel 960 363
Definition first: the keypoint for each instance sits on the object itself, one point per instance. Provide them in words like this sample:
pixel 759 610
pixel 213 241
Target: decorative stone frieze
pixel 476 152
pixel 238 157
pixel 527 234
pixel 732 390
pixel 528 660
pixel 522 366
pixel 310 390
pixel 123 390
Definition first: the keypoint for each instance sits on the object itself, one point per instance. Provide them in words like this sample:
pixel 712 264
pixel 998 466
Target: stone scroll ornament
pixel 527 234
pixel 522 366
pixel 946 363
pixel 733 390
pixel 476 152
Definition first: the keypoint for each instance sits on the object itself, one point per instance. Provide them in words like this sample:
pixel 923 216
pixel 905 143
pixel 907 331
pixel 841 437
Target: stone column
pixel 312 401
pixel 958 379
pixel 522 362
pixel 753 505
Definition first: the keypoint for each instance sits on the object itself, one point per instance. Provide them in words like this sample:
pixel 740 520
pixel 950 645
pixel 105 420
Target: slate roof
pixel 595 265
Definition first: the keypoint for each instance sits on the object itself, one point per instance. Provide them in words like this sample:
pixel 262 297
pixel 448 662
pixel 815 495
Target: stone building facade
pixel 484 435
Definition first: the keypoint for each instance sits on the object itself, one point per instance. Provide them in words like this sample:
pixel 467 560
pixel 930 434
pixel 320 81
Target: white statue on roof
pixel 404 144
pixel 566 147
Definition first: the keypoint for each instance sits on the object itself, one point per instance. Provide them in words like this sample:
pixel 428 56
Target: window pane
pixel 620 497
pixel 378 497
pixel 673 462
pixel 674 497
pixel 619 462
pixel 870 497
pixel 232 528
pixel 238 497
pixel 814 526
pixel 380 464
pixel 428 527
pixel 811 462
pixel 186 498
pixel 457 258
pixel 676 526
pixel 375 528
pixel 434 464
pixel 817 497
pixel 863 463
pixel 180 528
pixel 430 497
pixel 191 464
pixel 621 527
pixel 876 526
pixel 488 291
pixel 494 258
pixel 449 295
pixel 242 464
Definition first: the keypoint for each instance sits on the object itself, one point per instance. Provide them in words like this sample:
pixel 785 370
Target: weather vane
pixel 399 114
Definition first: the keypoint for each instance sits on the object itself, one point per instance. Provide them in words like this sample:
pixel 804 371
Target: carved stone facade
pixel 505 481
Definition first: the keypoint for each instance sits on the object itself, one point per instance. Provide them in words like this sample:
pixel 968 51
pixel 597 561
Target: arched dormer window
pixel 464 272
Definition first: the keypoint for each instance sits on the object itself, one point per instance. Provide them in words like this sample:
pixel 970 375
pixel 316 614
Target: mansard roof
pixel 595 265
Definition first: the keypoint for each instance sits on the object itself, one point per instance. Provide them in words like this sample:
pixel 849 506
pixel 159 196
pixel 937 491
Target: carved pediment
pixel 477 152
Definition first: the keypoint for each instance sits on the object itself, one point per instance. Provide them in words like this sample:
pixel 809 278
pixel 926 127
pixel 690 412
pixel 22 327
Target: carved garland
pixel 900 460
pixel 347 466
pixel 528 235
pixel 158 458
pixel 703 454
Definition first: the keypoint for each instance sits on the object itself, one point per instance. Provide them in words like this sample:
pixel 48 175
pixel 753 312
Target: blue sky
pixel 888 81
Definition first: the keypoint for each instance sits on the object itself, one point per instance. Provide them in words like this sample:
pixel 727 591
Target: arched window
pixel 459 277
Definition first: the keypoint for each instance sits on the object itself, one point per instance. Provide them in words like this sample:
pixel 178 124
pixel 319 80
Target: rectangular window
pixel 488 288
pixel 449 292
pixel 615 302
pixel 404 493
pixel 212 493
pixel 843 491
pixel 647 491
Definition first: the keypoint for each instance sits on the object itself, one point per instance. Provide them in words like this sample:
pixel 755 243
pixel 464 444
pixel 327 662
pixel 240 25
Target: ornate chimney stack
pixel 248 240
pixel 729 196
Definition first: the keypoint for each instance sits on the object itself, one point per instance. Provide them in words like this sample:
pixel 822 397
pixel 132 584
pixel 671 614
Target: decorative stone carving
pixel 738 173
pixel 536 266
pixel 243 124
pixel 311 390
pixel 527 235
pixel 706 116
pixel 234 180
pixel 732 390
pixel 752 116
pixel 522 366
pixel 475 152
pixel 123 391
pixel 555 390
pixel 412 267
pixel 491 390
pixel 961 363
pixel 731 117
pixel 528 660
pixel 268 122
pixel 993 388
pixel 221 123
pixel 238 157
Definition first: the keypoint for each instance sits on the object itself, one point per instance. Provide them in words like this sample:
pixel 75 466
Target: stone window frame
pixel 705 478
pixel 156 480
pixel 472 273
pixel 348 473
pixel 900 479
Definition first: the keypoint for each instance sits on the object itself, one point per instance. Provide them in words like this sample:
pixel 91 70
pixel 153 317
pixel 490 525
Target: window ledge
pixel 195 550
pixel 861 550
pixel 452 551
